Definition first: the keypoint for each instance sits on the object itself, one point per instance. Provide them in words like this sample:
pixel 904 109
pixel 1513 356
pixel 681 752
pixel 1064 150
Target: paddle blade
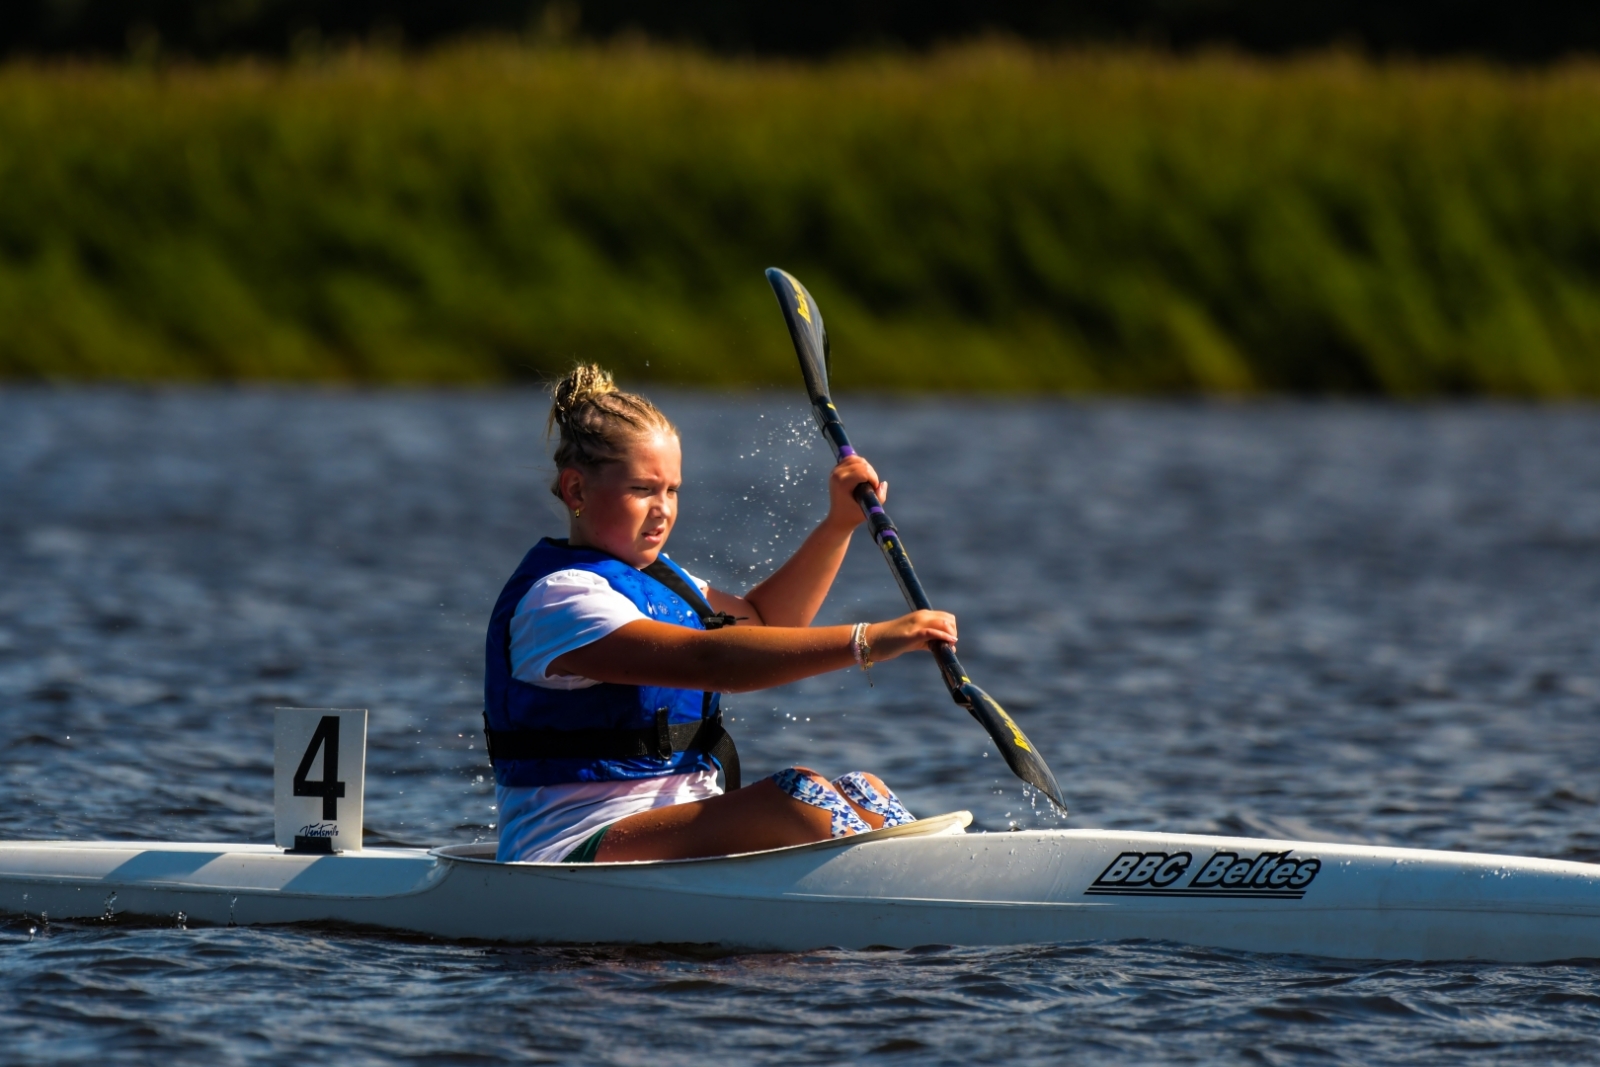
pixel 805 328
pixel 1020 755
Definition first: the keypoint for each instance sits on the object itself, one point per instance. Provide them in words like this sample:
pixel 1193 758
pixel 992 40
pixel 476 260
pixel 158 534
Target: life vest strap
pixel 657 742
pixel 709 618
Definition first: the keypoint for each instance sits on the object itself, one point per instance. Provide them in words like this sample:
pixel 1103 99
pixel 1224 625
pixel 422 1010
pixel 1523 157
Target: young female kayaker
pixel 605 662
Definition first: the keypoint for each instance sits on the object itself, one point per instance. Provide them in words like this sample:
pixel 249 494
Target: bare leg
pixel 760 816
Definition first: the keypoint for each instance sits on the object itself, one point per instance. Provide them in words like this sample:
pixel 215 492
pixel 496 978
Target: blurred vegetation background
pixel 1528 32
pixel 996 215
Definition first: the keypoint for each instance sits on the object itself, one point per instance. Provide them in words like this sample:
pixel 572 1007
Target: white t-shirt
pixel 562 611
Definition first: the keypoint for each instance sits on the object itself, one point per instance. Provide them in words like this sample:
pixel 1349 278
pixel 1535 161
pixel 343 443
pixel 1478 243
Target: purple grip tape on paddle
pixel 845 451
pixel 887 531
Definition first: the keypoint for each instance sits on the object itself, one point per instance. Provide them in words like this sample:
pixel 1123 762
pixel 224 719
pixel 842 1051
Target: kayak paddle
pixel 811 345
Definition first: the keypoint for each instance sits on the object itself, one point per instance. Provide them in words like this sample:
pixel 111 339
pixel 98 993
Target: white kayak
pixel 924 883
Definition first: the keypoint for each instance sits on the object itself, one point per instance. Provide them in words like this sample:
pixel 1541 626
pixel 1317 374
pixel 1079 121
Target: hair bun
pixel 584 383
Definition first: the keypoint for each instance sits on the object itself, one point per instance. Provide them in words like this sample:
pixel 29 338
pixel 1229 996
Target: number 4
pixel 330 788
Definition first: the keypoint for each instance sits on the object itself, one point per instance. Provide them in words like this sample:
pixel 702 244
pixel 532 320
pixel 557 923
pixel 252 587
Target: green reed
pixel 986 218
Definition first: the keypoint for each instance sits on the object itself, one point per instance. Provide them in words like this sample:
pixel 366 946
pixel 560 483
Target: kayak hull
pixel 930 884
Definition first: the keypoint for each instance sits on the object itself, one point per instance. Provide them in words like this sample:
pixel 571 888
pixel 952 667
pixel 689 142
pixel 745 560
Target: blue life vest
pixel 514 708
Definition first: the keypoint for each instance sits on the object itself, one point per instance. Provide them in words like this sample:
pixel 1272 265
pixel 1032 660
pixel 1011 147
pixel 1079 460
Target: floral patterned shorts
pixel 804 787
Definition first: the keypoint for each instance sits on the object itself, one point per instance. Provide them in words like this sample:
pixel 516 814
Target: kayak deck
pixel 925 883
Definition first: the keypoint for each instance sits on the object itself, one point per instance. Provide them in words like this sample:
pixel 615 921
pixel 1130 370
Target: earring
pixel 577 513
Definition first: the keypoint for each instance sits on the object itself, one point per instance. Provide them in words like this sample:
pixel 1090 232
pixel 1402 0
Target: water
pixel 1341 622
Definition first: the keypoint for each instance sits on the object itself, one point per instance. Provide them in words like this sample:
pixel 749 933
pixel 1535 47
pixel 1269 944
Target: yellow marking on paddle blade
pixel 1016 734
pixel 800 303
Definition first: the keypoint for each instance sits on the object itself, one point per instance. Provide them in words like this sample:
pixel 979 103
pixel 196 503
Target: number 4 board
pixel 319 778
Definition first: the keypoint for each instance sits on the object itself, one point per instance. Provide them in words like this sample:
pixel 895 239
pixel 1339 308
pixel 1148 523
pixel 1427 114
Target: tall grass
pixel 988 218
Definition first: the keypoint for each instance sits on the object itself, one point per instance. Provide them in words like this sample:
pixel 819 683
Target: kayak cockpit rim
pixel 955 822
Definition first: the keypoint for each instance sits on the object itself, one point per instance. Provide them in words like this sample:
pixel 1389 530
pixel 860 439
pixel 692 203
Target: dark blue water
pixel 1354 623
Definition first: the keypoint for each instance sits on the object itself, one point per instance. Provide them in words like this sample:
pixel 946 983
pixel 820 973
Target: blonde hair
pixel 597 421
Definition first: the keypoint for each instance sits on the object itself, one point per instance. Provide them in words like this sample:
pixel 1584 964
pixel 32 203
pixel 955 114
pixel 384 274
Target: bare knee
pixel 869 795
pixel 869 815
pixel 809 790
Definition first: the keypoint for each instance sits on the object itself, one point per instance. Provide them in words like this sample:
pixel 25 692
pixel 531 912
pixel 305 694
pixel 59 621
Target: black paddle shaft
pixel 811 345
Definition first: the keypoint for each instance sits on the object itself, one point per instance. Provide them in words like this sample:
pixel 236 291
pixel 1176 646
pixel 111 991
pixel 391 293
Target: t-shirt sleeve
pixel 562 611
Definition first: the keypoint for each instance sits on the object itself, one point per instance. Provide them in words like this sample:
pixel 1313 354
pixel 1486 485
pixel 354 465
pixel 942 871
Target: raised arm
pixel 737 659
pixel 796 590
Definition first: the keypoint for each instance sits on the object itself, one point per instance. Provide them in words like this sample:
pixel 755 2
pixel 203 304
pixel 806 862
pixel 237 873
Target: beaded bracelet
pixel 861 650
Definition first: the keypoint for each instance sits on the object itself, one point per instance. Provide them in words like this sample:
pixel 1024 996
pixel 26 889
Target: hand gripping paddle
pixel 811 345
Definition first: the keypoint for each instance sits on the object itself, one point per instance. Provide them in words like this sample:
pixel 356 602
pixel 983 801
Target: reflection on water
pixel 1360 623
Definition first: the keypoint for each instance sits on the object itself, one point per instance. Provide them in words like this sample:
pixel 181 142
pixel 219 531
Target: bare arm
pixel 737 659
pixel 796 590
